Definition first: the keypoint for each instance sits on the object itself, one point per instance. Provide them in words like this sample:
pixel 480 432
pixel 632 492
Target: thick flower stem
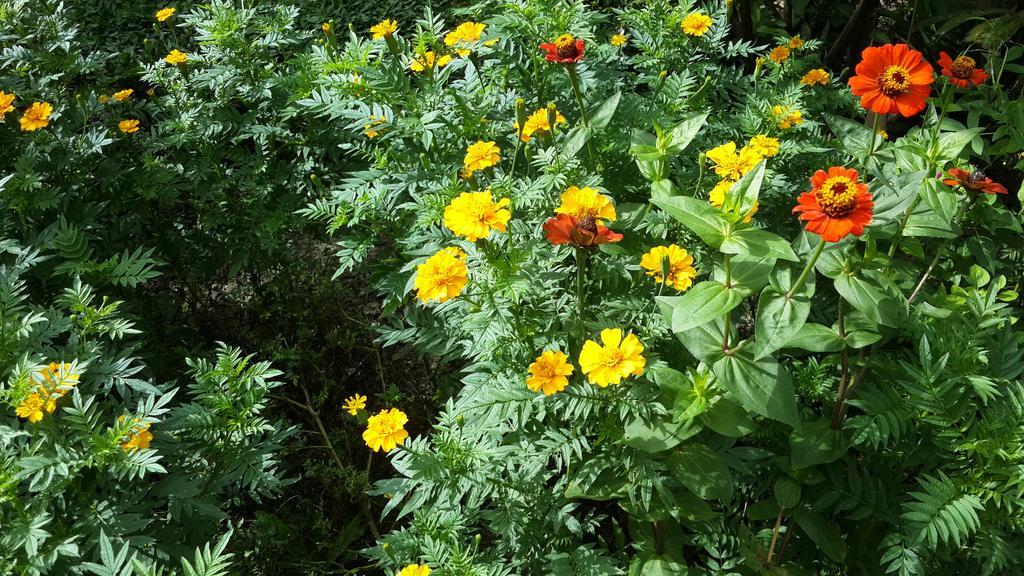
pixel 574 79
pixel 581 267
pixel 725 319
pixel 807 270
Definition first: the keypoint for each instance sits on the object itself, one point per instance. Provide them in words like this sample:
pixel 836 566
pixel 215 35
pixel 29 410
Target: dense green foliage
pixel 184 308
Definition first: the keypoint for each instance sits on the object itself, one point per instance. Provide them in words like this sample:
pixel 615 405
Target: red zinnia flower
pixel 566 49
pixel 892 78
pixel 837 204
pixel 566 229
pixel 976 181
pixel 961 72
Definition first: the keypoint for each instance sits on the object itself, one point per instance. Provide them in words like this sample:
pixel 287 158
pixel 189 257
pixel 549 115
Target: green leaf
pixel 747 274
pixel 854 136
pixel 757 244
pixel 704 341
pixel 951 144
pixel 654 437
pixel 816 338
pixel 575 139
pixel 677 138
pixel 728 419
pixel 940 198
pixel 692 508
pixel 603 115
pixel 787 491
pixel 742 196
pixel 778 320
pixel 865 294
pixel 663 188
pixel 701 304
pixel 815 443
pixel 926 222
pixel 702 471
pixel 824 532
pixel 892 197
pixel 760 386
pixel 702 218
pixel 656 566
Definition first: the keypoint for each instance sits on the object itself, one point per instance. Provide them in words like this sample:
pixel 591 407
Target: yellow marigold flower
pixel 151 92
pixel 785 118
pixel 618 40
pixel 59 378
pixel 384 29
pixel 385 430
pixel 123 95
pixel 443 276
pixel 696 24
pixel 614 359
pixel 31 408
pixel 680 266
pixel 128 126
pixel 353 404
pixel 816 76
pixel 6 102
pixel 882 133
pixel 731 164
pixel 583 202
pixel 176 57
pixel 465 33
pixel 326 27
pixel 415 570
pixel 481 155
pixel 473 215
pixel 370 130
pixel 138 439
pixel 764 146
pixel 549 372
pixel 164 13
pixel 428 60
pixel 537 123
pixel 796 42
pixel 37 116
pixel 779 54
pixel 717 198
pixel 103 98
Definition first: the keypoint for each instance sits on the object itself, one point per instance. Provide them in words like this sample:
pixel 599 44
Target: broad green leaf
pixel 824 532
pixel 676 139
pixel 575 139
pixel 701 470
pixel 700 304
pixel 761 386
pixel 787 491
pixel 854 136
pixel 663 188
pixel 656 565
pixel 692 508
pixel 654 437
pixel 704 341
pixel 951 144
pixel 893 196
pixel 702 218
pixel 815 443
pixel 816 338
pixel 728 419
pixel 603 115
pixel 865 294
pixel 940 198
pixel 742 196
pixel 757 244
pixel 925 222
pixel 747 274
pixel 778 320
pixel 860 330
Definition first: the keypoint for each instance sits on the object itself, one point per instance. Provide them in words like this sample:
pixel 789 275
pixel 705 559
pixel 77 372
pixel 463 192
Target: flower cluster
pixel 610 362
pixel 51 383
pixel 138 436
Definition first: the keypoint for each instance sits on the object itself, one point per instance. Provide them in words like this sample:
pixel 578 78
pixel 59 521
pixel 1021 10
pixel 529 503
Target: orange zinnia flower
pixel 892 78
pixel 837 204
pixel 565 50
pixel 566 229
pixel 975 181
pixel 961 72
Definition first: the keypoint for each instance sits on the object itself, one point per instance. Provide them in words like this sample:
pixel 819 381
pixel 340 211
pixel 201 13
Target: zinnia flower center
pixel 588 224
pixel 837 197
pixel 962 67
pixel 565 46
pixel 895 81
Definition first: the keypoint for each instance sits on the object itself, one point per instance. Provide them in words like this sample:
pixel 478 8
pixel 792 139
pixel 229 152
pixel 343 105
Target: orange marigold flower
pixel 549 372
pixel 6 102
pixel 779 54
pixel 37 116
pixel 176 57
pixel 481 155
pixel 583 232
pixel 962 71
pixel 674 260
pixel 129 126
pixel 566 49
pixel 443 276
pixel 816 76
pixel 796 42
pixel 837 204
pixel 975 181
pixel 892 78
pixel 123 95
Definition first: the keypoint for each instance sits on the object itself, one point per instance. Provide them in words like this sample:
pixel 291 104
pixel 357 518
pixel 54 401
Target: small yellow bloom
pixel 415 570
pixel 786 118
pixel 696 24
pixel 58 378
pixel 384 29
pixel 151 92
pixel 6 102
pixel 464 34
pixel 31 408
pixel 123 95
pixel 680 266
pixel 353 404
pixel 326 27
pixel 882 133
pixel 549 372
pixel 164 13
pixel 779 54
pixel 385 430
pixel 619 40
pixel 764 146
pixel 481 155
pixel 128 126
pixel 138 438
pixel 816 76
pixel 371 129
pixel 428 60
pixel 473 215
pixel 586 202
pixel 796 42
pixel 103 98
pixel 443 276
pixel 37 116
pixel 717 198
pixel 176 57
pixel 538 123
pixel 731 164
pixel 614 359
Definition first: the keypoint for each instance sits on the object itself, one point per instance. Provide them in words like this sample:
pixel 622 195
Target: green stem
pixel 725 318
pixel 845 358
pixel 581 266
pixel 807 270
pixel 942 249
pixel 874 136
pixel 575 81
